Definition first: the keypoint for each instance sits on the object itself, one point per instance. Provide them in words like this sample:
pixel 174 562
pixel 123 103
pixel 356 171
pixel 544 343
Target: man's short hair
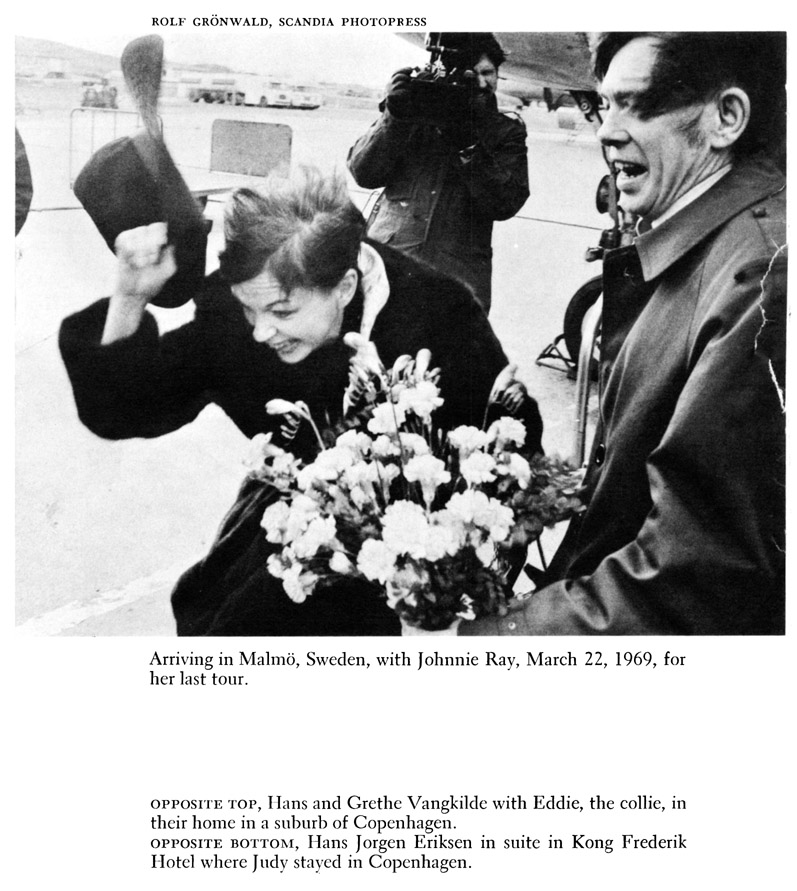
pixel 691 67
pixel 466 48
pixel 305 230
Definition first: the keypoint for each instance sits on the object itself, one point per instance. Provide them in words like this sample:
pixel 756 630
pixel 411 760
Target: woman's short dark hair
pixel 305 230
pixel 693 66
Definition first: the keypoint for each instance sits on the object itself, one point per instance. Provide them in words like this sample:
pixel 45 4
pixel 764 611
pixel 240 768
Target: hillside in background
pixel 36 57
pixel 63 69
pixel 34 54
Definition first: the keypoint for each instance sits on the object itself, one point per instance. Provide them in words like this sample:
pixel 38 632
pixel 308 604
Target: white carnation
pixel 386 418
pixel 478 468
pixel 421 400
pixel 275 521
pixel 376 561
pixel 518 467
pixel 473 506
pixel 486 552
pixel 506 430
pixel 442 540
pixel 386 447
pixel 298 584
pixel 414 444
pixel 429 471
pixel 320 532
pixel 467 439
pixel 355 440
pixel 405 529
pixel 303 510
pixel 327 467
pixel 340 563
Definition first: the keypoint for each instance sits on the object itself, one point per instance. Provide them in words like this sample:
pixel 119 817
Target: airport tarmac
pixel 103 529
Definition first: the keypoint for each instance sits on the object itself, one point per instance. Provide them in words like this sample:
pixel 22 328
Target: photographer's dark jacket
pixel 684 530
pixel 443 188
pixel 148 385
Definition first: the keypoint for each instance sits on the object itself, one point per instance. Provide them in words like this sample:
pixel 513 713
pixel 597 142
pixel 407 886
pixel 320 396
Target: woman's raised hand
pixel 145 263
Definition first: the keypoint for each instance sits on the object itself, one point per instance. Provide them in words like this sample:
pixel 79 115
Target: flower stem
pixel 305 410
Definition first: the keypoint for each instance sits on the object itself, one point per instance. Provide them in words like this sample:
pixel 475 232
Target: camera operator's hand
pixel 461 134
pixel 397 96
pixel 463 130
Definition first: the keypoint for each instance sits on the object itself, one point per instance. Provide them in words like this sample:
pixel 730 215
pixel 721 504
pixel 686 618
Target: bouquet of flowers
pixel 432 518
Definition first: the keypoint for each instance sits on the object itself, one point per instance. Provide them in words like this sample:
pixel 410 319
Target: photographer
pixel 450 162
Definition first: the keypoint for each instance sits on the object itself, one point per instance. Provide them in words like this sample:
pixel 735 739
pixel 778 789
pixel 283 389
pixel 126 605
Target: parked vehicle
pixel 277 95
pixel 250 89
pixel 212 89
pixel 99 96
pixel 303 97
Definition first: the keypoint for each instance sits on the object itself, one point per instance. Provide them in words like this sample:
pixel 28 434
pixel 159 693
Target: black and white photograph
pixel 400 447
pixel 305 353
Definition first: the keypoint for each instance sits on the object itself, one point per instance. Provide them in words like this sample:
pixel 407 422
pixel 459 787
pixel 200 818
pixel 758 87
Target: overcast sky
pixel 366 55
pixel 322 54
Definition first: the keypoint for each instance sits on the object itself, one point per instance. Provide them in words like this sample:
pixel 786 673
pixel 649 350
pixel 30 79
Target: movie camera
pixel 445 89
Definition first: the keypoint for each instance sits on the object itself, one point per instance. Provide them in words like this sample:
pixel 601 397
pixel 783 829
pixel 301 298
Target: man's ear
pixel 346 288
pixel 733 116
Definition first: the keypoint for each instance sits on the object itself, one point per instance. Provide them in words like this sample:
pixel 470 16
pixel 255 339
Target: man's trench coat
pixel 684 530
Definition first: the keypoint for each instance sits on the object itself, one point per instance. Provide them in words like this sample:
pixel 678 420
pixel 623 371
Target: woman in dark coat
pixel 295 276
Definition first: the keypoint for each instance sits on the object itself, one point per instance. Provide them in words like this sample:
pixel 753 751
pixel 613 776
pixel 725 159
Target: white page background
pixel 91 742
